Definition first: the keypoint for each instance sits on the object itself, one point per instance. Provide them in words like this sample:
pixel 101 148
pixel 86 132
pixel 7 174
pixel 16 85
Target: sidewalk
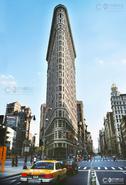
pixel 9 170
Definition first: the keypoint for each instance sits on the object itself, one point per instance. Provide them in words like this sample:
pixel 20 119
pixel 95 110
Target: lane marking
pixel 82 170
pixel 88 181
pixel 85 168
pixel 19 183
pixel 111 171
pixel 97 181
pixel 113 168
pixel 120 168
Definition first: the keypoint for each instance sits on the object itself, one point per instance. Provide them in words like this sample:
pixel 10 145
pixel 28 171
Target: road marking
pixel 97 182
pixel 99 168
pixel 113 168
pixel 106 168
pixel 110 171
pixel 85 168
pixel 120 168
pixel 18 182
pixel 88 181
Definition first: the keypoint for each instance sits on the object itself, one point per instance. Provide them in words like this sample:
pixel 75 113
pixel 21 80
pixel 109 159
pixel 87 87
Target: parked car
pixel 71 166
pixel 49 171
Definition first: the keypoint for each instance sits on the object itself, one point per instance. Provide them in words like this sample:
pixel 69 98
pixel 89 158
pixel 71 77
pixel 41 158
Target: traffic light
pixel 2 135
pixel 1 119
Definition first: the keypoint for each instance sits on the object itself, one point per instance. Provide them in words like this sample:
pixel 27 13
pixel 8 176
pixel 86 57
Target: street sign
pixel 26 149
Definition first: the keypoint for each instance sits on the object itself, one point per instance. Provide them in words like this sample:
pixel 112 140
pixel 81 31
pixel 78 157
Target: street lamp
pixel 26 142
pixel 44 127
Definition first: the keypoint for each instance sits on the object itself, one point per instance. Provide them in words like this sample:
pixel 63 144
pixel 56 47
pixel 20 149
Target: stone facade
pixel 118 105
pixel 61 127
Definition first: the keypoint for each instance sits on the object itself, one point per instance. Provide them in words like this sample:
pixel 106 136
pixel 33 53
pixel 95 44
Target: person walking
pixel 35 159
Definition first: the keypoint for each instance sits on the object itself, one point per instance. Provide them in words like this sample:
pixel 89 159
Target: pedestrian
pixel 12 161
pixel 25 165
pixel 16 161
pixel 31 161
pixel 35 159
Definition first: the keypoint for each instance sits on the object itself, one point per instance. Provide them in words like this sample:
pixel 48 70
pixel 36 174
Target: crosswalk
pixel 80 168
pixel 99 160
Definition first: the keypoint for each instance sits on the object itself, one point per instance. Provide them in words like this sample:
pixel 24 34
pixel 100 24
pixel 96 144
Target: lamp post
pixel 26 142
pixel 44 127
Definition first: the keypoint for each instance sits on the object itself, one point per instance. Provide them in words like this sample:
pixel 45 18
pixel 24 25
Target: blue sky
pixel 99 33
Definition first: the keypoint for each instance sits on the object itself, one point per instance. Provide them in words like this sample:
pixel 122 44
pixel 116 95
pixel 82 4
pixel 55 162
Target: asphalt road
pixel 78 179
pixel 108 172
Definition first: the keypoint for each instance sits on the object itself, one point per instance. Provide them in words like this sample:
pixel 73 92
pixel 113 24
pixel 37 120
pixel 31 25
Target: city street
pixel 107 171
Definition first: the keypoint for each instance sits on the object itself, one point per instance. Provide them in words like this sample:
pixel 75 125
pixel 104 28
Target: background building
pixel 123 136
pixel 80 121
pixel 102 143
pixel 18 119
pixel 118 105
pixel 110 134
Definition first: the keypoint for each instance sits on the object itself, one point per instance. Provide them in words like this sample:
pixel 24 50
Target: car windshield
pixel 43 165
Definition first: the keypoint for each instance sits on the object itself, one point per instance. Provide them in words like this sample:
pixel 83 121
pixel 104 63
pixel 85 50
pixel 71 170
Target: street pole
pixel 44 127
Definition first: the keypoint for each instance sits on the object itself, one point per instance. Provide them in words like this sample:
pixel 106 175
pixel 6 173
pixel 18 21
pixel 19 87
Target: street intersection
pixel 108 172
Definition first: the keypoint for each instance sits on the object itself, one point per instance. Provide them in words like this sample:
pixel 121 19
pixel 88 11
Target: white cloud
pixel 7 81
pixel 124 61
pixel 100 61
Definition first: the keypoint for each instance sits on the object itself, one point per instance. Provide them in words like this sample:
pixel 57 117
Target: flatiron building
pixel 61 105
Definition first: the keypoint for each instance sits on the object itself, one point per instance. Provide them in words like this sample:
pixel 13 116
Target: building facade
pixel 80 121
pixel 89 144
pixel 18 118
pixel 61 127
pixel 110 134
pixel 102 144
pixel 123 136
pixel 118 105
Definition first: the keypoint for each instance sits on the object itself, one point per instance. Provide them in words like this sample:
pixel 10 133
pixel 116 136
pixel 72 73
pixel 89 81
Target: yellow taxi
pixel 45 171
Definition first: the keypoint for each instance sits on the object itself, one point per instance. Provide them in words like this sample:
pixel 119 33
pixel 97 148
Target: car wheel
pixel 24 183
pixel 60 180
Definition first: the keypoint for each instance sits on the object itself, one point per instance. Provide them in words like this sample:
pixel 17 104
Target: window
pixel 60 60
pixel 58 166
pixel 60 80
pixel 60 113
pixel 60 54
pixel 43 165
pixel 60 66
pixel 55 134
pixel 60 134
pixel 60 88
